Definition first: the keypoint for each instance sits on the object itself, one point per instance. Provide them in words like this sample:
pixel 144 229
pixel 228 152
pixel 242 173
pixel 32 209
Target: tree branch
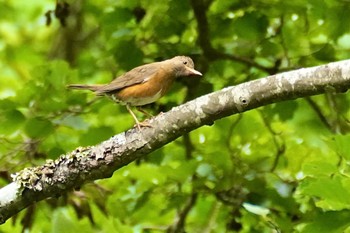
pixel 200 9
pixel 178 226
pixel 96 162
pixel 319 113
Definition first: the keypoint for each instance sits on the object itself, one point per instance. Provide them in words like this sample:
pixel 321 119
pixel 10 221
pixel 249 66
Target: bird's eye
pixel 185 62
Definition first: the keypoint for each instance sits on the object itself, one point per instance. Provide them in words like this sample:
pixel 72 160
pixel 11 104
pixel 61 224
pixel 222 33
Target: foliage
pixel 281 168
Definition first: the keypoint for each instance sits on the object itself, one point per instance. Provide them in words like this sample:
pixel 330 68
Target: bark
pixel 91 163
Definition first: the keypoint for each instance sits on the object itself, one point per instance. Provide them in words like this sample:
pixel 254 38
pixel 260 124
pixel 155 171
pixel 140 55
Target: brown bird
pixel 144 84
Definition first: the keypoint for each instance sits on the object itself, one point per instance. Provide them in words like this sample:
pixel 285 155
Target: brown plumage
pixel 144 84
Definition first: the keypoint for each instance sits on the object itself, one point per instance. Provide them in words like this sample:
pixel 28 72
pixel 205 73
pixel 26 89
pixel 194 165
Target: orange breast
pixel 147 92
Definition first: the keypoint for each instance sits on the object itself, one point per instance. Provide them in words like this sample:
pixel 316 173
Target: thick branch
pixel 87 164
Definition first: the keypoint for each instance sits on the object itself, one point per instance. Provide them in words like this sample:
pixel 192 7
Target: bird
pixel 144 84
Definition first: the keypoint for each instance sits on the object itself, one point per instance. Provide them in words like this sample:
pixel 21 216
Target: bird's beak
pixel 193 71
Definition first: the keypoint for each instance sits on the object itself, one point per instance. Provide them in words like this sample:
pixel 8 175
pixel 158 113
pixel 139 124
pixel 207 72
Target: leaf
pixel 75 122
pixel 38 127
pixel 52 75
pixel 269 48
pixel 118 17
pixel 95 135
pixel 341 144
pixel 124 50
pixel 63 220
pixel 332 221
pixel 6 104
pixel 251 26
pixel 55 152
pixel 179 173
pixel 332 192
pixel 284 110
pixel 324 53
pixel 10 121
pixel 319 168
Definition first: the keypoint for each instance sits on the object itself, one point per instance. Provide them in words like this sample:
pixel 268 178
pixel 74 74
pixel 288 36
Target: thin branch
pixel 244 60
pixel 230 133
pixel 280 147
pixel 200 8
pixel 319 113
pixel 212 218
pixel 96 162
pixel 179 224
pixel 335 115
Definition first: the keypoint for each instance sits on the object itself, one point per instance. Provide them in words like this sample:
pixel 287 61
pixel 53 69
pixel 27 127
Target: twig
pixel 179 224
pixel 280 147
pixel 319 113
pixel 200 8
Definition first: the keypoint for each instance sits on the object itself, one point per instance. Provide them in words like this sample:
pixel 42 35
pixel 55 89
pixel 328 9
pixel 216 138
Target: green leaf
pixel 124 50
pixel 95 135
pixel 332 192
pixel 64 221
pixel 10 121
pixel 284 110
pixel 251 26
pixel 319 168
pixel 52 75
pixel 75 122
pixel 6 104
pixel 118 17
pixel 341 144
pixel 55 152
pixel 38 127
pixel 269 48
pixel 172 172
pixel 324 52
pixel 332 221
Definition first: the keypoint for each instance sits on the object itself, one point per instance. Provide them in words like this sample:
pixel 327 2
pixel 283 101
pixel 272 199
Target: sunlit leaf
pixel 332 191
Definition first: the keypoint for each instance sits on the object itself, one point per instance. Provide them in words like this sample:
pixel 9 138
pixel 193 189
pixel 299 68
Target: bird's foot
pixel 139 125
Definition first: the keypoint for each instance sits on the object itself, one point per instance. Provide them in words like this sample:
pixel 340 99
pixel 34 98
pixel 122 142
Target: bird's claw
pixel 139 125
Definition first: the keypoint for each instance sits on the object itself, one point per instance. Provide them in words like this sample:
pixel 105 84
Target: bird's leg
pixel 133 115
pixel 143 111
pixel 138 124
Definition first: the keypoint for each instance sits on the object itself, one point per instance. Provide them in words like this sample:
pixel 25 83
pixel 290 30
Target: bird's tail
pixel 84 87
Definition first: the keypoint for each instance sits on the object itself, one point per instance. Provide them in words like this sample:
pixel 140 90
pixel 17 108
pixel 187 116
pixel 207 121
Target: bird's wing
pixel 135 76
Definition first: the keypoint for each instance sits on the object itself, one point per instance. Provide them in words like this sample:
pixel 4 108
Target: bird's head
pixel 183 66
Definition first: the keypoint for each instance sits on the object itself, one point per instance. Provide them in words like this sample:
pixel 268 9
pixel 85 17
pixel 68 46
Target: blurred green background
pixel 279 168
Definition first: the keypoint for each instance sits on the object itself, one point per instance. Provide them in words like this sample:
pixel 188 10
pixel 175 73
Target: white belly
pixel 139 101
